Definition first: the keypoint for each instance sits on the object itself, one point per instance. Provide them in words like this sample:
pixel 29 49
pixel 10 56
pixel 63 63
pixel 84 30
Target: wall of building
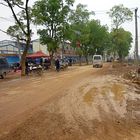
pixel 68 50
pixel 38 47
pixel 12 51
pixel 12 47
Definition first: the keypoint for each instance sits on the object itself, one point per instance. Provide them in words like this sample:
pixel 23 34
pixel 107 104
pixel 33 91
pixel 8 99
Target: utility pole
pixel 136 36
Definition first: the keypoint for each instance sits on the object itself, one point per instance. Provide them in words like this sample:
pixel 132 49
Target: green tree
pixel 15 32
pixel 80 15
pixel 94 37
pixel 119 15
pixel 78 29
pixel 121 39
pixel 121 42
pixel 99 37
pixel 23 20
pixel 52 16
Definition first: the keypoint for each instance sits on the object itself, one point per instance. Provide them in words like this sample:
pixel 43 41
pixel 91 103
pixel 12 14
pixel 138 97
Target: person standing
pixel 26 67
pixel 57 65
pixel 70 62
pixel 41 61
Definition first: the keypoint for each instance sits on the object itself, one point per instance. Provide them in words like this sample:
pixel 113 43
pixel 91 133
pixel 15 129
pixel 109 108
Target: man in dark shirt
pixel 57 64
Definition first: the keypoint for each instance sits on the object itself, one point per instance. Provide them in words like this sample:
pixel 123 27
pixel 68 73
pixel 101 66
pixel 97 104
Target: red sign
pixel 78 44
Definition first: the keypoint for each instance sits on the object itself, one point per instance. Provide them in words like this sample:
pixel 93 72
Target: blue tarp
pixel 12 59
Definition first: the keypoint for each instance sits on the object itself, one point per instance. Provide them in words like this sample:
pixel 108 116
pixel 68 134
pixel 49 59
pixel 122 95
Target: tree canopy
pixel 22 24
pixel 52 16
pixel 121 41
pixel 119 15
pixel 93 37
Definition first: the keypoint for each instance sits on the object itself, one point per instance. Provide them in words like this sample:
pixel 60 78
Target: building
pixel 12 50
pixel 37 46
pixel 66 50
pixel 8 47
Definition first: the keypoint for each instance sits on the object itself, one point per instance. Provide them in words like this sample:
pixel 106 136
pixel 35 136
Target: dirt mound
pixel 132 75
pixel 126 71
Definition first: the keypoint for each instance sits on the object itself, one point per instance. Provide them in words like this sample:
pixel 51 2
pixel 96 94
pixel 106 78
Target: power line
pixel 7 19
pixel 105 11
pixel 3 31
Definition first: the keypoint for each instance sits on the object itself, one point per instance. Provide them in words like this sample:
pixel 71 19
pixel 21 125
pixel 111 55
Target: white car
pixel 97 61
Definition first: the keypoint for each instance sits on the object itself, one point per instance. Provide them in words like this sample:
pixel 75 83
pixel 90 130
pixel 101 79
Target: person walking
pixel 57 65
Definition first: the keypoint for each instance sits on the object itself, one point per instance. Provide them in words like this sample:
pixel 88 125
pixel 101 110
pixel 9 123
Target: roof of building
pixel 37 55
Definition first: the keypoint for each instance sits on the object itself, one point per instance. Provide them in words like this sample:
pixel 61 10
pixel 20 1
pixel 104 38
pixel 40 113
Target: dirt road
pixel 81 103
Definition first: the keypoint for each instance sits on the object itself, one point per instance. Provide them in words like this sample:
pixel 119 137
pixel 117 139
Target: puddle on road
pixel 89 96
pixel 117 91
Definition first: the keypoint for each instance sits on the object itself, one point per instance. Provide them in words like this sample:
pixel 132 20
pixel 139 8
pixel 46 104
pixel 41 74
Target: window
pixel 97 58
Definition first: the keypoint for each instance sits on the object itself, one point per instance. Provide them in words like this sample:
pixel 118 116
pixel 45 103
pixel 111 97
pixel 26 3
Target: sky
pixel 100 7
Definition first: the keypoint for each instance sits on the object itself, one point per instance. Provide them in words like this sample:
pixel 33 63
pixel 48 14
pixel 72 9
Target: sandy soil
pixel 80 103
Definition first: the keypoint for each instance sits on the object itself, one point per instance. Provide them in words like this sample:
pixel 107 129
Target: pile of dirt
pixel 132 76
pixel 119 69
pixel 126 71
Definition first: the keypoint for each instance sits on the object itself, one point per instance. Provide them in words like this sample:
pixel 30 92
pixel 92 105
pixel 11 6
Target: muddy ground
pixel 80 103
